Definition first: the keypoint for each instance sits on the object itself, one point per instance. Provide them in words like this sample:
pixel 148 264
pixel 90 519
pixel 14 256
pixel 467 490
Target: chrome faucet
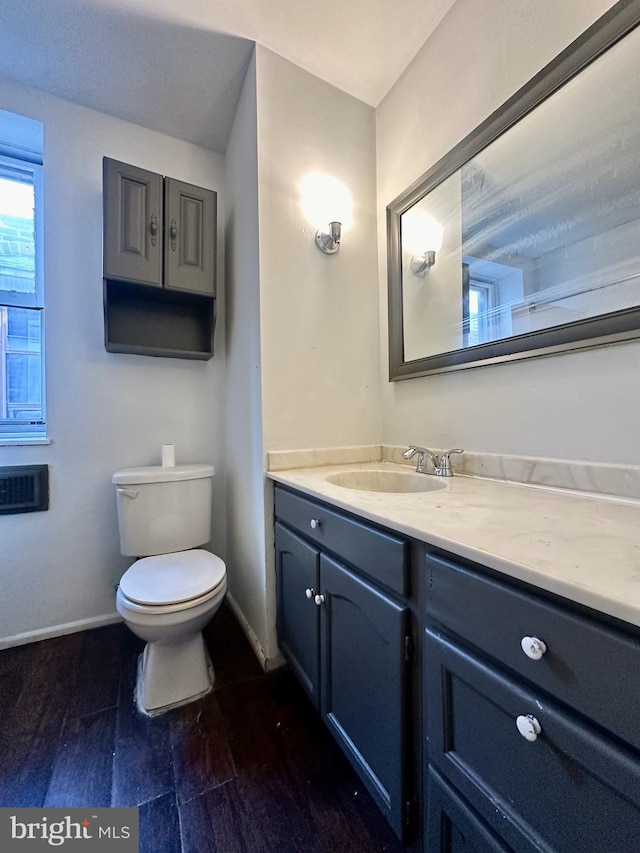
pixel 441 465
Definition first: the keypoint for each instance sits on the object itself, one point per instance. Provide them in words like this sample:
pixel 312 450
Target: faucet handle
pixel 444 468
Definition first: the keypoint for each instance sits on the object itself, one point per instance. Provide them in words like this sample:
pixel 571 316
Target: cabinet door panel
pixel 297 567
pixel 132 223
pixel 364 686
pixel 190 237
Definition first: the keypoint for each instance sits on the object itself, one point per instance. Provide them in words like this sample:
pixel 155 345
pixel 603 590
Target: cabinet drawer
pixel 376 553
pixel 588 665
pixel 570 789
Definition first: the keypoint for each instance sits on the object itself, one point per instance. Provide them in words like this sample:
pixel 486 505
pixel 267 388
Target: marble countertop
pixel 582 546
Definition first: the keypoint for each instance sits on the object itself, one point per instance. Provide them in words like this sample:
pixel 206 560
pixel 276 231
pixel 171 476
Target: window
pixel 480 307
pixel 22 399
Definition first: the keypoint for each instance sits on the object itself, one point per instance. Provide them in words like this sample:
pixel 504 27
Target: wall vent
pixel 24 488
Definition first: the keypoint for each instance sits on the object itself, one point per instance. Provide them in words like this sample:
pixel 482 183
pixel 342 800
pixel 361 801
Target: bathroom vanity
pixel 475 650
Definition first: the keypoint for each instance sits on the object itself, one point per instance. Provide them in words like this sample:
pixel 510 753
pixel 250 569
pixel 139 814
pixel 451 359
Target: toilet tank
pixel 162 509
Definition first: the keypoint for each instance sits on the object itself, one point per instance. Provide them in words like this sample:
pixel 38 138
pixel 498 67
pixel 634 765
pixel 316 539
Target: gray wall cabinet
pixel 345 630
pixel 159 261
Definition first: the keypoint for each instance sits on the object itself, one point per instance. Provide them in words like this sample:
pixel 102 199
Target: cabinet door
pixel 451 826
pixel 364 700
pixel 190 237
pixel 132 223
pixel 297 567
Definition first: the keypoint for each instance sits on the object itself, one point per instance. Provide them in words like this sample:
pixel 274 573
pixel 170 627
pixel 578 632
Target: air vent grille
pixel 24 488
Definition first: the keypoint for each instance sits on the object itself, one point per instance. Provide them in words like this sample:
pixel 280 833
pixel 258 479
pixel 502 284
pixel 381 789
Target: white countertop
pixel 582 546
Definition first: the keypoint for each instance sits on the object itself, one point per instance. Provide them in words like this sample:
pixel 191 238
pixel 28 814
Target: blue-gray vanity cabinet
pixel 347 637
pixel 539 752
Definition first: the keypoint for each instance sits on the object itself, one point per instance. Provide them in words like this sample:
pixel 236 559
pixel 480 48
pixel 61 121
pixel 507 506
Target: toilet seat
pixel 169 582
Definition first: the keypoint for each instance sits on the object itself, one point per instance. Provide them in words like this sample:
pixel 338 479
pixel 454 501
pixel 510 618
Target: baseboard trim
pixel 266 663
pixel 59 630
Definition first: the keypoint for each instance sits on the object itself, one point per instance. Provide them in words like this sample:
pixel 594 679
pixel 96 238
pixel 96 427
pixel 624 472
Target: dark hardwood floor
pixel 249 768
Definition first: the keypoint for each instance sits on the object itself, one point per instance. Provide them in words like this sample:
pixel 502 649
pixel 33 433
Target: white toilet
pixel 168 596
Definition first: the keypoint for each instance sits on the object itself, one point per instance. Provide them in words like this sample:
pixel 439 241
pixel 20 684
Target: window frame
pixel 27 431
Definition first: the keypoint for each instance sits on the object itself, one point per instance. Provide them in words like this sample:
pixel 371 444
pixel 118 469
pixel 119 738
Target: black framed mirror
pixel 524 240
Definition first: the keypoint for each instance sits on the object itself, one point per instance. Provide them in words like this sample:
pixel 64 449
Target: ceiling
pixel 178 67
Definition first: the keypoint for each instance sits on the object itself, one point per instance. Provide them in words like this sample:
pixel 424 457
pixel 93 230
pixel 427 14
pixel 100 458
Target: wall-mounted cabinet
pixel 159 264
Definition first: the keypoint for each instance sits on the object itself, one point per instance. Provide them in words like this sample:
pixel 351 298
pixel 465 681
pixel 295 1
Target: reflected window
pixel 481 303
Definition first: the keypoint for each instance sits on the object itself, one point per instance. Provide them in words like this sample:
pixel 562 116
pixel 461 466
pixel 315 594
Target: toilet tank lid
pixel 160 474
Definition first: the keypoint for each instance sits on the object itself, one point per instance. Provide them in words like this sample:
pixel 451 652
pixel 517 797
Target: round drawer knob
pixel 533 647
pixel 309 592
pixel 528 727
pixel 319 599
pixel 314 523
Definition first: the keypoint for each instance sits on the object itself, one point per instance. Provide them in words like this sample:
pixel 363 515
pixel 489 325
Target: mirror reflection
pixel 537 231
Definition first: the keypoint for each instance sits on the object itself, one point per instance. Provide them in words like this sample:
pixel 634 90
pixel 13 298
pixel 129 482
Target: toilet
pixel 174 587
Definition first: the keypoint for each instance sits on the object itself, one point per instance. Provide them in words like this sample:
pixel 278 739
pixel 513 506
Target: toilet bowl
pixel 167 600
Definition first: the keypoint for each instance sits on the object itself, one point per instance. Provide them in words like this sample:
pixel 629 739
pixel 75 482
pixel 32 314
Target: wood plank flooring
pixel 248 769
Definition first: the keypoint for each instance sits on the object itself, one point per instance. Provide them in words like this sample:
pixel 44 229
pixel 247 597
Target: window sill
pixel 18 442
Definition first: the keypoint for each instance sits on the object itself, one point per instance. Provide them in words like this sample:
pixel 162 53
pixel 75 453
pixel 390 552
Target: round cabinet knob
pixel 315 523
pixel 309 592
pixel 319 599
pixel 533 647
pixel 528 727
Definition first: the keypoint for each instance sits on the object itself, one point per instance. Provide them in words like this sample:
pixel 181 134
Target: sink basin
pixel 399 482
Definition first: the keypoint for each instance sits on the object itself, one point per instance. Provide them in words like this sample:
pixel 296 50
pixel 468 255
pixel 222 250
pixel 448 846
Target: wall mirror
pixel 525 239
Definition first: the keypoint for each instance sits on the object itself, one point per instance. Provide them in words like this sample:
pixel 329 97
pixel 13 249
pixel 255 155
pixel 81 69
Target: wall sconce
pixel 421 264
pixel 422 237
pixel 329 242
pixel 326 204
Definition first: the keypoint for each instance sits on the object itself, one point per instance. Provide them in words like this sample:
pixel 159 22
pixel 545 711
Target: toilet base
pixel 170 675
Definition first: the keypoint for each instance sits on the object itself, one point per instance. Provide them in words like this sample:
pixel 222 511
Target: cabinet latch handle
pixel 173 233
pixel 310 592
pixel 153 229
pixel 319 599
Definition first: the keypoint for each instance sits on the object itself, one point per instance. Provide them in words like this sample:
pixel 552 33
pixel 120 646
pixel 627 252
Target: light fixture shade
pixel 421 233
pixel 326 204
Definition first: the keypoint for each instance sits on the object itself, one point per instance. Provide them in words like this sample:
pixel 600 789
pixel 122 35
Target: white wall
pixel 318 321
pixel 245 484
pixel 105 411
pixel 579 405
pixel 319 313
